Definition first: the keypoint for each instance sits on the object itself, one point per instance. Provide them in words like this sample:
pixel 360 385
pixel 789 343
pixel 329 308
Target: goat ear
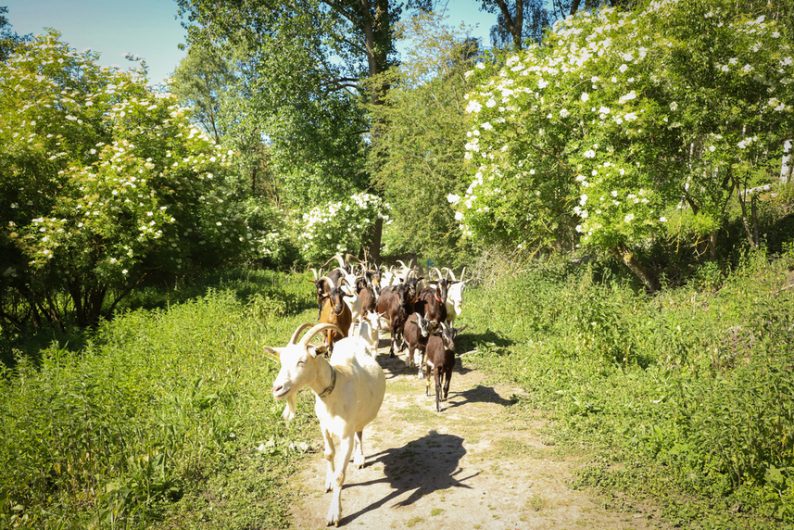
pixel 312 350
pixel 273 354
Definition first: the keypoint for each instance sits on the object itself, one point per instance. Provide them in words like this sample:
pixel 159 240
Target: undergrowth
pixel 164 418
pixel 686 398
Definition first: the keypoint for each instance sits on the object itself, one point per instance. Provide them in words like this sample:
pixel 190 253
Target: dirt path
pixel 474 465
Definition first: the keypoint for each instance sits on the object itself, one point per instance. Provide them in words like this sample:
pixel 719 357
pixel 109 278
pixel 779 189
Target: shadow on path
pixel 478 394
pixel 421 467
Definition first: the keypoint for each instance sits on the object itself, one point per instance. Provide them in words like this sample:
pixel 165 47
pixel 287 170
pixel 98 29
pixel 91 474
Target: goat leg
pixel 358 451
pixel 335 509
pixel 328 454
pixel 447 379
pixel 437 377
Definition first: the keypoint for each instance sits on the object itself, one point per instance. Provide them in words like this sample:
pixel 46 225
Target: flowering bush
pixel 623 119
pixel 101 183
pixel 341 226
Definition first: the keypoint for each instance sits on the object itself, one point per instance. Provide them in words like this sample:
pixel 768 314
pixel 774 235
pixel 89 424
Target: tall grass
pixel 687 397
pixel 164 418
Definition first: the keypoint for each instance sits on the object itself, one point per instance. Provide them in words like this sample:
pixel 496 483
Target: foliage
pixel 8 38
pixel 341 226
pixel 418 160
pixel 162 420
pixel 582 136
pixel 686 396
pixel 102 183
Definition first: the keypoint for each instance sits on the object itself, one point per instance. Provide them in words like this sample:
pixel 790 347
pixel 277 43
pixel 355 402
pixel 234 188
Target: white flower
pixel 564 113
pixel 631 116
pixel 490 103
pixel 673 106
pixel 583 199
pixel 542 83
pixel 663 219
pixel 623 68
pixel 487 126
pixel 458 216
pixel 629 218
pixel 453 198
pixel 614 193
pixel 712 149
pixel 473 106
pixel 585 96
pixel 589 154
pixel 628 97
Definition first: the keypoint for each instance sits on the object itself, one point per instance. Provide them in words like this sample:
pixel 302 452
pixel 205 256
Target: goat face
pixel 448 334
pixel 411 289
pixel 337 299
pixel 423 324
pixel 299 366
pixel 373 318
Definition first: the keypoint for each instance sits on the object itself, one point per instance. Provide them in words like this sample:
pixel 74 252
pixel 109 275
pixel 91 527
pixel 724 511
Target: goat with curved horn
pixel 348 388
pixel 317 328
pixel 298 331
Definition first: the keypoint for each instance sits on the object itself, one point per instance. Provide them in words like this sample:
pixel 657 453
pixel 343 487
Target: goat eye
pixel 301 363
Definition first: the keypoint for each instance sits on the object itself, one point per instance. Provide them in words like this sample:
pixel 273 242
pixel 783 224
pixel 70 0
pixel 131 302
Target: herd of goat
pixel 355 301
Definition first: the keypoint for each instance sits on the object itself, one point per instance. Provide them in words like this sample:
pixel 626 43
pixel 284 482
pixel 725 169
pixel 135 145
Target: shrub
pixel 626 127
pixel 686 395
pixel 340 226
pixel 102 183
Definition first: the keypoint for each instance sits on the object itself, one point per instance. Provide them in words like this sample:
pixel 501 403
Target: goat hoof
pixel 333 517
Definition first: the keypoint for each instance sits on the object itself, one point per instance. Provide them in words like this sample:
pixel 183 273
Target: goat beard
pixel 291 408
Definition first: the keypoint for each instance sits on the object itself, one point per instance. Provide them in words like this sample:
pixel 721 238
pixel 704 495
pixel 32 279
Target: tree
pixel 523 21
pixel 8 38
pixel 102 184
pixel 306 62
pixel 593 146
pixel 419 161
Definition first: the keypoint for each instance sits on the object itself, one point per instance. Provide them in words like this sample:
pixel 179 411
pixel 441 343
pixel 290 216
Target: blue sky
pixel 149 29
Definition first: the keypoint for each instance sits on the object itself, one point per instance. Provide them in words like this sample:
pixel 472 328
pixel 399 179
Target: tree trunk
pixel 713 244
pixel 646 276
pixel 375 242
pixel 378 36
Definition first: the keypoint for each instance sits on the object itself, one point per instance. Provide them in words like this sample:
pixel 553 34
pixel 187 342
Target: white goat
pixel 454 301
pixel 368 328
pixel 348 392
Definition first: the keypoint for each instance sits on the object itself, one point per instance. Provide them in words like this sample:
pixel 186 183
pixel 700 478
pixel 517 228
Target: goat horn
pixel 438 272
pixel 316 274
pixel 341 261
pixel 450 273
pixel 297 331
pixel 462 273
pixel 330 281
pixel 317 328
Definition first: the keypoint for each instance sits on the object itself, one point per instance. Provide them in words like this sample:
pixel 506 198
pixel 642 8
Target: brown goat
pixel 440 360
pixel 415 333
pixel 335 311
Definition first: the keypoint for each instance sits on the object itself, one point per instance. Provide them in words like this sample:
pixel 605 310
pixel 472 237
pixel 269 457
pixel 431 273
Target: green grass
pixel 685 398
pixel 163 419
